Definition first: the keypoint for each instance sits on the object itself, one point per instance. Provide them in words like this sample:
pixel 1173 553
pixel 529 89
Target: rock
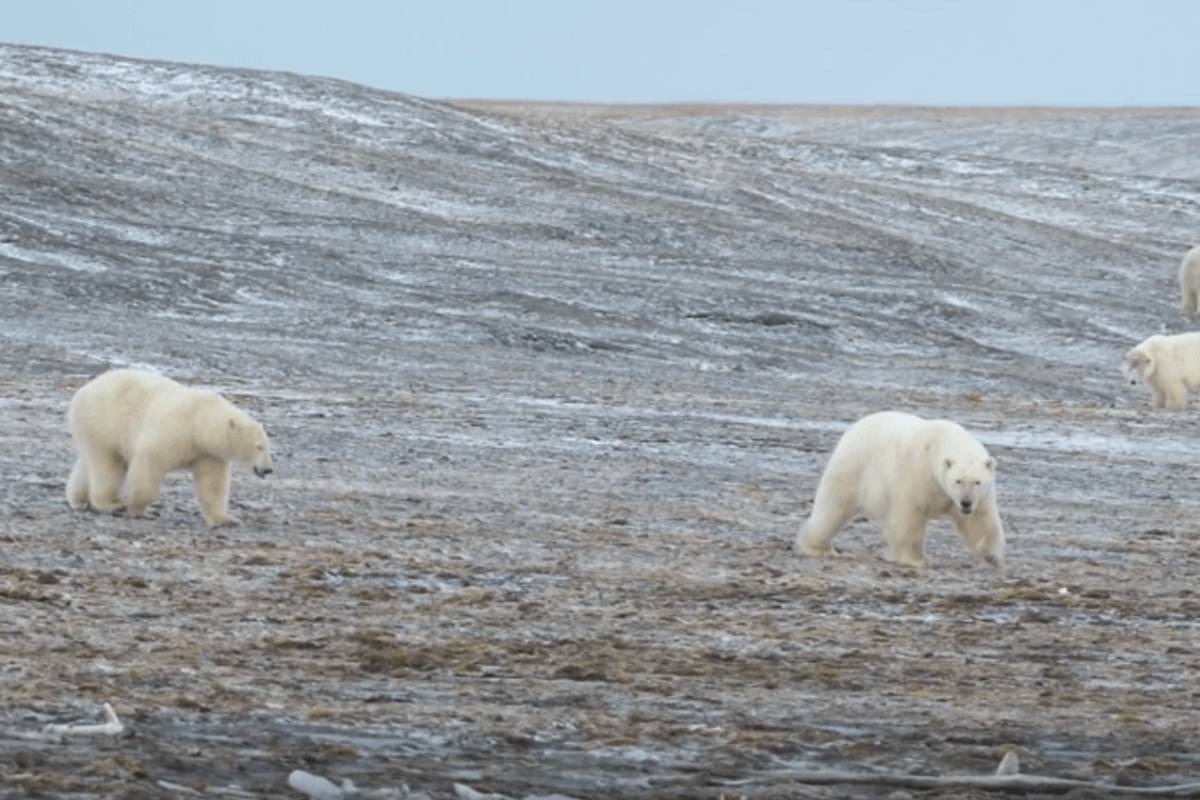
pixel 316 787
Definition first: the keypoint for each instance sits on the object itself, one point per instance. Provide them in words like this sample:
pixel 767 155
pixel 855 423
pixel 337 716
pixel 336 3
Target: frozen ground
pixel 550 391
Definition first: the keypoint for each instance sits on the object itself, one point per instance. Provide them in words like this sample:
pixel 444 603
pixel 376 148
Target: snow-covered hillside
pixel 550 392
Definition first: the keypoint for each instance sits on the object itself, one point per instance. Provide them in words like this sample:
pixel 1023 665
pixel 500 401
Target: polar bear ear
pixel 990 464
pixel 948 463
pixel 232 424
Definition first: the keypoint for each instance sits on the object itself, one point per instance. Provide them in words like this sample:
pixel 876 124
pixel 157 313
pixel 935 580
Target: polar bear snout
pixel 969 498
pixel 262 463
pixel 259 458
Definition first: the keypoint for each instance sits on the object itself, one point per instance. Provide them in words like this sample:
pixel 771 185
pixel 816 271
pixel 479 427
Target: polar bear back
pixel 116 411
pixel 877 444
pixel 1177 355
pixel 887 434
pixel 108 412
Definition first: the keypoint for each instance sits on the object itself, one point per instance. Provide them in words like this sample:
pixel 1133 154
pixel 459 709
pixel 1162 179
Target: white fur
pixel 1189 282
pixel 132 427
pixel 901 471
pixel 1169 365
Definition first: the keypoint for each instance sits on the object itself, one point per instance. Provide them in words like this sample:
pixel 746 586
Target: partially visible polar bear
pixel 132 427
pixel 1189 282
pixel 1169 365
pixel 901 471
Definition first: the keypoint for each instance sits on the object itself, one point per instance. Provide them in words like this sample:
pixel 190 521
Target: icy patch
pixel 1111 444
pixel 253 298
pixel 66 261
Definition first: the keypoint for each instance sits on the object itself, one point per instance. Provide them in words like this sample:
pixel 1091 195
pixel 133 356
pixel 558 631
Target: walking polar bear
pixel 133 427
pixel 901 471
pixel 1169 365
pixel 1189 282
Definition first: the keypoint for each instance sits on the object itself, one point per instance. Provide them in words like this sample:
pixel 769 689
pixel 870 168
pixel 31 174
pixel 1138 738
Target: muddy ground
pixel 550 393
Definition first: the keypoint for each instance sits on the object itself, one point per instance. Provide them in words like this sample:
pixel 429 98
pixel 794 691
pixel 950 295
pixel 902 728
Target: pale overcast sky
pixel 956 52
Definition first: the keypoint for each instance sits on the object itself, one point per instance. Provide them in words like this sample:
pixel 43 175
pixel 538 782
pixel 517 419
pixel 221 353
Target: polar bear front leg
pixel 1177 398
pixel 211 476
pixel 904 532
pixel 984 533
pixel 142 484
pixel 1158 398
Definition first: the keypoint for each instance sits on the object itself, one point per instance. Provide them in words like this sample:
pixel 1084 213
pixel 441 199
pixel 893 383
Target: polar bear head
pixel 228 433
pixel 967 479
pixel 1138 364
pixel 247 444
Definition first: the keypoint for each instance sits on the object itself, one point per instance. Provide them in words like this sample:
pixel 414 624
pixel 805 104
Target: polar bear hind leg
pixel 143 484
pixel 77 485
pixel 833 507
pixel 104 476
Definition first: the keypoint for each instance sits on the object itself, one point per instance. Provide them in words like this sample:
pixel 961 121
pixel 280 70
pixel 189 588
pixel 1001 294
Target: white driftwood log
pixel 987 783
pixel 111 726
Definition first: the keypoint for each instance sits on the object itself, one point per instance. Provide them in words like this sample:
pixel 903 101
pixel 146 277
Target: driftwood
pixel 1021 784
pixel 112 726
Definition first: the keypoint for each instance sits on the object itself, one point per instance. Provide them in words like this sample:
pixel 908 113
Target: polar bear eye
pixel 958 481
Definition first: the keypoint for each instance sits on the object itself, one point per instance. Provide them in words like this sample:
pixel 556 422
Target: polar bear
pixel 1189 282
pixel 132 427
pixel 1169 365
pixel 901 471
